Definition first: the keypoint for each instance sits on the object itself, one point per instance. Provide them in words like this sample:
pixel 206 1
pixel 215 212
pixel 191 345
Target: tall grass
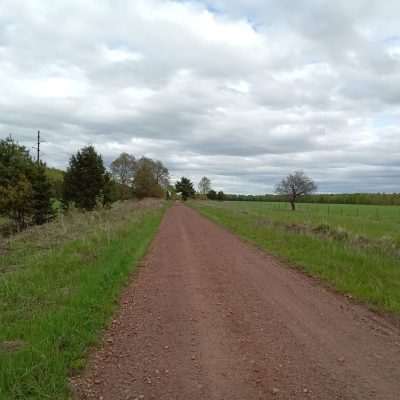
pixel 58 291
pixel 369 271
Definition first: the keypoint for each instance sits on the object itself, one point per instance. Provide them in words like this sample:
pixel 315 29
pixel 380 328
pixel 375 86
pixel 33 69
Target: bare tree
pixel 151 178
pixel 123 168
pixel 159 171
pixel 144 182
pixel 204 186
pixel 161 174
pixel 294 186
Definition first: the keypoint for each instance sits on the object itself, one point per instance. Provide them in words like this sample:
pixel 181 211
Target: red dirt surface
pixel 211 317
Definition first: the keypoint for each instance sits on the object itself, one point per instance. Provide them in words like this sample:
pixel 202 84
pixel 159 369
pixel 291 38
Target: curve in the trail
pixel 211 317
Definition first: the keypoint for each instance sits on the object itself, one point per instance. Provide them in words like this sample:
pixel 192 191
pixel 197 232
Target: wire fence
pixel 334 210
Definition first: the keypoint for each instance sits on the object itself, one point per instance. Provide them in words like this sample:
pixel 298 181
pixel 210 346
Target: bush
pixel 25 190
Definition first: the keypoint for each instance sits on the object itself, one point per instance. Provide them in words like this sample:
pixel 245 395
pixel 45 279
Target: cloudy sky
pixel 243 91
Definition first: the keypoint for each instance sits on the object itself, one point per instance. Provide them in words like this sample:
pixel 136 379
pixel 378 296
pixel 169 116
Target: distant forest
pixel 341 198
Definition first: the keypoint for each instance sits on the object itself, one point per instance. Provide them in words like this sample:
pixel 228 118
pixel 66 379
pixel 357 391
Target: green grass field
pixel 59 284
pixel 356 248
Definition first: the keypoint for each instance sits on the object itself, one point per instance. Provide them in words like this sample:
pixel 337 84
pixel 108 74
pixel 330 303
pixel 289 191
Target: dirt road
pixel 210 317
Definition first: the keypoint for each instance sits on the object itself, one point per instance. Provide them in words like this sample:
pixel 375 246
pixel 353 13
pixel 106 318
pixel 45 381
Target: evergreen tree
pixel 41 196
pixel 85 179
pixel 185 188
pixel 212 195
pixel 221 196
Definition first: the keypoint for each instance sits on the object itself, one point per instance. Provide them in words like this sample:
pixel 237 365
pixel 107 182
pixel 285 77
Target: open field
pixel 371 221
pixel 354 248
pixel 59 286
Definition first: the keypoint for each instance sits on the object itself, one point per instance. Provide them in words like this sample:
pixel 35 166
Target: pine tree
pixel 212 195
pixel 220 196
pixel 41 197
pixel 185 188
pixel 84 181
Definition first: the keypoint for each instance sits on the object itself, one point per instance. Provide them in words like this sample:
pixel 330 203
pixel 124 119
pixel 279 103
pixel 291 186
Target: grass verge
pixel 369 274
pixel 55 301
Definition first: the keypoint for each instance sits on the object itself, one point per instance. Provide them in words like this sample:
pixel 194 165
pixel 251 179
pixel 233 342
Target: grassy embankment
pixel 354 248
pixel 59 285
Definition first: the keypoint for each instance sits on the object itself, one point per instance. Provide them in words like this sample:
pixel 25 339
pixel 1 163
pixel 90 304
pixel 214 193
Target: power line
pixel 38 147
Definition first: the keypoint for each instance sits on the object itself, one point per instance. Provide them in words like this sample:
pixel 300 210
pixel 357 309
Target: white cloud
pixel 120 55
pixel 243 91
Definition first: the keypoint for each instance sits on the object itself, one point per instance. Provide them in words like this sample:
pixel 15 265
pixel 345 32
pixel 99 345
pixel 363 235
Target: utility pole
pixel 38 147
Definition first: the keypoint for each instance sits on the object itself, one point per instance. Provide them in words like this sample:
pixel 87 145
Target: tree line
pixel 32 194
pixel 298 187
pixel 185 188
pixel 340 198
pixel 139 178
pixel 87 183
